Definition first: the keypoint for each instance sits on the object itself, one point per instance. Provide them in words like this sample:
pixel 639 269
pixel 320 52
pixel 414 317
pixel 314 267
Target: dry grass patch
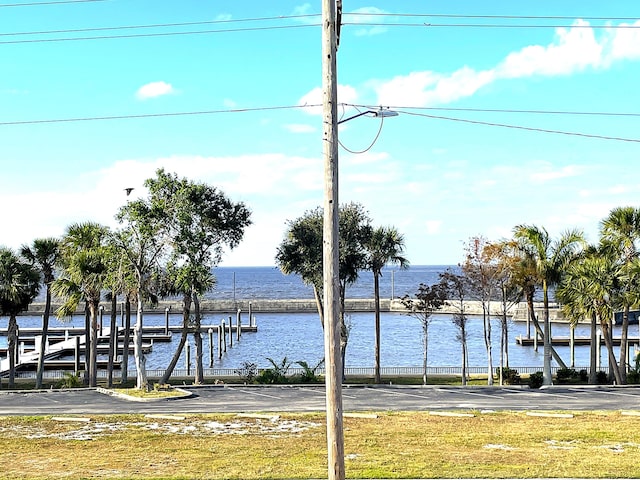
pixel 391 445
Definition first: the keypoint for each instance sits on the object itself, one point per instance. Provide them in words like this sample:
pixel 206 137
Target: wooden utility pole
pixel 330 265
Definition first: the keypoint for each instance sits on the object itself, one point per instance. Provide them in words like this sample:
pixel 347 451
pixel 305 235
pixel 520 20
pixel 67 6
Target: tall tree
pixel 43 254
pixel 481 270
pixel 588 290
pixel 203 221
pixel 301 253
pixel 85 267
pixel 424 303
pixel 384 246
pixel 143 240
pixel 456 288
pixel 551 258
pixel 620 232
pixel 19 285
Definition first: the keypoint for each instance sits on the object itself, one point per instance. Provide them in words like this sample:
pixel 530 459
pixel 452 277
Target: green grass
pixel 393 445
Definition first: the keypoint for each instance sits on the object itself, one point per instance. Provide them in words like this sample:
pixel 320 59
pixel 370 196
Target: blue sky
pixel 438 181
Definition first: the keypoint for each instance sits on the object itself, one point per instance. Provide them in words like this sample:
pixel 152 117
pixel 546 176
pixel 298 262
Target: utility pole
pixel 330 263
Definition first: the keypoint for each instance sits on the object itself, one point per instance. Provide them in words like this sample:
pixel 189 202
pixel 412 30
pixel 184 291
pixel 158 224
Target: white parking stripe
pixel 466 392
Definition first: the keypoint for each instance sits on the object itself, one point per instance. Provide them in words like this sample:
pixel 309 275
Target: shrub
pixel 247 372
pixel 602 378
pixel 276 374
pixel 566 375
pixel 309 374
pixel 536 380
pixel 70 380
pixel 584 375
pixel 510 376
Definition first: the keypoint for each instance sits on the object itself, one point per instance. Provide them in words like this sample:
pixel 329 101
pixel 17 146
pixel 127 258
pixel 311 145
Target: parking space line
pixel 466 392
pixel 259 394
pixel 404 394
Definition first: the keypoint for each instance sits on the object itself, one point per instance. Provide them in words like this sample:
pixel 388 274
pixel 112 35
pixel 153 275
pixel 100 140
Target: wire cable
pixel 504 17
pixel 489 25
pixel 52 2
pixel 154 115
pixel 358 152
pixel 522 127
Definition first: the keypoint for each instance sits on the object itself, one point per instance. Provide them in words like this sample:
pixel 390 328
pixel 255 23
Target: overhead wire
pixel 52 2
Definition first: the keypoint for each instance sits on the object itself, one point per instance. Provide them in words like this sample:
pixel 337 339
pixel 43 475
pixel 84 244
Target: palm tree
pixel 19 285
pixel 620 232
pixel 589 289
pixel 550 258
pixel 43 254
pixel 85 269
pixel 385 246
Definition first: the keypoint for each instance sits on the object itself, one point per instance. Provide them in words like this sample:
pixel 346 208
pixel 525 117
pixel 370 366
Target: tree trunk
pixel 113 339
pixel 593 362
pixel 613 364
pixel 486 316
pixel 197 337
pixel 93 345
pixel 12 345
pixel 87 345
pixel 624 344
pixel 186 311
pixel 141 371
pixel 126 340
pixel 376 296
pixel 463 342
pixel 45 333
pixel 546 369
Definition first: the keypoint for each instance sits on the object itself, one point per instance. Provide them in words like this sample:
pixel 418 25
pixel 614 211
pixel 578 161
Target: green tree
pixel 43 254
pixel 301 253
pixel 19 285
pixel 384 246
pixel 143 240
pixel 588 290
pixel 620 233
pixel 203 221
pixel 84 269
pixel 551 258
pixel 424 303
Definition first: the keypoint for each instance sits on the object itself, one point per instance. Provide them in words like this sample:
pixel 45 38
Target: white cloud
pixel 549 174
pixel 227 102
pixel 573 50
pixel 224 17
pixel 433 226
pixel 300 128
pixel 154 89
pixel 366 15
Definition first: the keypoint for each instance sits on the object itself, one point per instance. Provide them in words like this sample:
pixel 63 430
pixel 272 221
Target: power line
pixel 505 17
pixel 522 127
pixel 154 115
pixel 53 2
pixel 160 34
pixel 487 25
pixel 505 110
pixel 157 25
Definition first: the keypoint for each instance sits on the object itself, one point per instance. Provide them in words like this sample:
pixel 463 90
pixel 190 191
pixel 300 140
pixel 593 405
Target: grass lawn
pixel 387 445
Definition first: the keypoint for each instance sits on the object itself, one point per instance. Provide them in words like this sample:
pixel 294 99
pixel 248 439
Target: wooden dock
pixel 566 341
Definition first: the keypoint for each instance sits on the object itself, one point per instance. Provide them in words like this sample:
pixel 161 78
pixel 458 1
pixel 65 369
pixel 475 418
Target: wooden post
pixel 223 327
pixel 76 351
pixel 100 315
pixel 330 267
pixel 249 311
pixel 535 341
pixel 239 324
pixel 220 340
pixel 166 320
pixel 230 332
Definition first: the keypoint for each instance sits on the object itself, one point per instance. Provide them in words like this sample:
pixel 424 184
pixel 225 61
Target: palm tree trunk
pixel 546 369
pixel 12 345
pixel 197 336
pixel 593 362
pixel 425 344
pixel 486 314
pixel 376 294
pixel 93 345
pixel 186 311
pixel 624 344
pixel 87 345
pixel 613 364
pixel 45 332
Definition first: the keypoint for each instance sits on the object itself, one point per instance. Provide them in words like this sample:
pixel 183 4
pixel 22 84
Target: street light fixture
pixel 380 113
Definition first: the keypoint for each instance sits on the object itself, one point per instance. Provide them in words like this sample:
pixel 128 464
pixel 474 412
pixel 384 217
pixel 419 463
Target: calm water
pixel 300 337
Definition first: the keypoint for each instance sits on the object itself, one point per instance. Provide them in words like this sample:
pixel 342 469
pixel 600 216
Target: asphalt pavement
pixel 281 398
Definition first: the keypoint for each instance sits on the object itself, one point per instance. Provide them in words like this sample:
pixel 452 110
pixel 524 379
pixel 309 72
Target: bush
pixel 70 380
pixel 633 377
pixel 309 373
pixel 602 378
pixel 536 380
pixel 566 375
pixel 584 375
pixel 276 374
pixel 510 376
pixel 247 372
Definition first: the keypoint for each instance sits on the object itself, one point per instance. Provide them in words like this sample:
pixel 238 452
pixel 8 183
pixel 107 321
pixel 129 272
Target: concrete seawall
pixel 518 312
